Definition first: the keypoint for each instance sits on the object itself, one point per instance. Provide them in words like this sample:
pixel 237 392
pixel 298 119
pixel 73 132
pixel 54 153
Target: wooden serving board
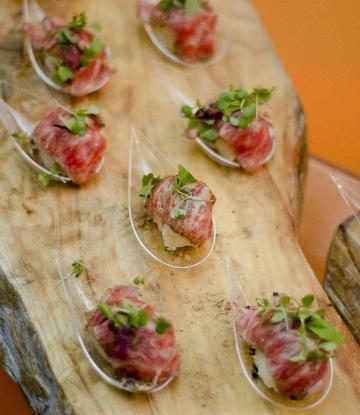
pixel 342 278
pixel 256 217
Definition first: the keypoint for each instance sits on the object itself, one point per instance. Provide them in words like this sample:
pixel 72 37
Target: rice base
pixel 263 370
pixel 172 240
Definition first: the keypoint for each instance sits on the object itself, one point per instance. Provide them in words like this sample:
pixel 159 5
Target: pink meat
pixel 251 145
pixel 195 36
pixel 197 226
pixel 79 156
pixel 85 78
pixel 140 354
pixel 89 77
pixel 294 379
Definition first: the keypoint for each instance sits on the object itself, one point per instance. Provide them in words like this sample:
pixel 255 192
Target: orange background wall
pixel 318 42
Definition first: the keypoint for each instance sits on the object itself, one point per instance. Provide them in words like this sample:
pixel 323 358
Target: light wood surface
pixel 256 218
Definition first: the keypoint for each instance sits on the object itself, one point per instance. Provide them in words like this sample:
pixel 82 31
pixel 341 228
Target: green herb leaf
pixel 106 311
pixel 63 36
pixel 285 300
pixel 90 110
pixel 241 103
pixel 209 134
pixel 187 111
pixel 328 346
pixel 162 325
pixel 235 121
pixel 55 60
pixel 74 125
pixel 165 5
pixel 249 111
pixel 149 181
pixel 185 177
pixel 44 179
pixel 244 122
pixel 177 212
pixel 139 280
pixel 21 138
pixel 192 7
pixel 77 22
pixel 77 268
pixel 63 74
pixel 307 301
pixel 301 357
pixel 325 331
pixel 278 316
pixel 94 50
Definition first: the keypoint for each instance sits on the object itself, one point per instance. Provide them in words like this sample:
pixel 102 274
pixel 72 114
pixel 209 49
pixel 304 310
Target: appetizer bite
pixel 187 27
pixel 290 344
pixel 70 53
pixel 181 207
pixel 233 125
pixel 66 142
pixel 137 342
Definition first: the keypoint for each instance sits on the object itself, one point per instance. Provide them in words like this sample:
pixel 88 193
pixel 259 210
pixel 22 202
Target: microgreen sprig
pixel 149 181
pixel 77 268
pixel 190 7
pixel 21 138
pixel 128 315
pixel 67 35
pixel 308 323
pixel 183 178
pixel 91 52
pixel 80 119
pixel 236 106
pixel 63 73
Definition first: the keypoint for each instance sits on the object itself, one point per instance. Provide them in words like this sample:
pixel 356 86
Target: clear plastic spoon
pixel 349 190
pixel 33 14
pixel 83 295
pixel 159 40
pixel 179 98
pixel 20 113
pixel 143 159
pixel 237 275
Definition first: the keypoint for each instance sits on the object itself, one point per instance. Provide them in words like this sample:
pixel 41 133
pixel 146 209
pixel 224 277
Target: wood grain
pixel 256 217
pixel 342 278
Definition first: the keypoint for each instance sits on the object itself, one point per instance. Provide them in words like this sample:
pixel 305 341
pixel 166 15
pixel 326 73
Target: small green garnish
pixel 235 100
pixel 149 181
pixel 162 325
pixel 177 212
pixel 311 324
pixel 190 7
pixel 63 73
pixel 139 280
pixel 129 315
pixel 64 36
pixel 91 52
pixel 80 119
pixel 183 178
pixel 236 106
pixel 21 138
pixel 44 178
pixel 77 22
pixel 77 268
